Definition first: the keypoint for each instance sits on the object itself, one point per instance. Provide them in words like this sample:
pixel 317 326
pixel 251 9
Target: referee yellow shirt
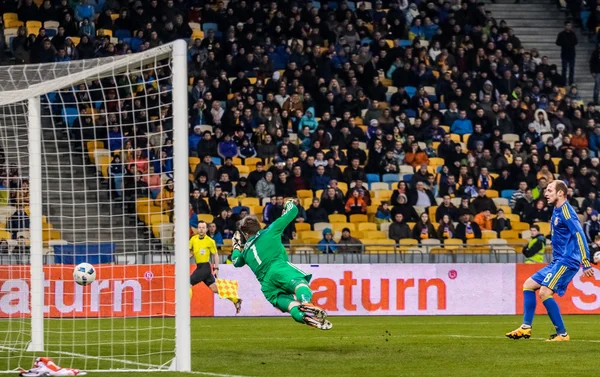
pixel 202 248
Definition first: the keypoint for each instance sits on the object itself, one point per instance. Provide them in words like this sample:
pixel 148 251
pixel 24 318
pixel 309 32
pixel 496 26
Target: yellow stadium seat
pixel 476 246
pixel 305 194
pixel 236 161
pixel 306 202
pixel 343 186
pixel 158 219
pixel 104 32
pixel 516 242
pixel 319 193
pixel 250 202
pixel 310 235
pixel 5 235
pixel 359 218
pixel 13 24
pixel 10 16
pixel 75 40
pixel 92 146
pixel 337 218
pixel 514 218
pixel 455 138
pixel 104 164
pixel 383 194
pixel 252 161
pixel 376 235
pixel 338 227
pixel 33 30
pixel 367 226
pixel 193 161
pixel 544 228
pixel 233 202
pixel 431 210
pixel 302 227
pixel 33 24
pixel 488 234
pixel 206 218
pixel 453 244
pixel 436 161
pixel 491 193
pixel 506 234
pixel 520 226
pixel 197 34
pixel 506 209
pixel 243 169
pixel 407 244
pixel 385 245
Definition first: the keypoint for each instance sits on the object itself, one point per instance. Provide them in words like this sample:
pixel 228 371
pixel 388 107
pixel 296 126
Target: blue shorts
pixel 555 276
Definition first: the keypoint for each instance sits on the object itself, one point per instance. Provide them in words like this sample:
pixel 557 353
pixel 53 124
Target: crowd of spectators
pixel 340 96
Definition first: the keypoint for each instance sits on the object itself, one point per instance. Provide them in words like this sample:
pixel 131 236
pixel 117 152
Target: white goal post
pixel 73 190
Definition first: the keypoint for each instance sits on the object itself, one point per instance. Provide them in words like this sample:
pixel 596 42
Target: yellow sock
pixel 234 300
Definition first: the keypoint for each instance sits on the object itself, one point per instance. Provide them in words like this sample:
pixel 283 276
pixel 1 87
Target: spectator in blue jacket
pixel 320 180
pixel 227 148
pixel 115 139
pixel 462 125
pixel 594 143
pixel 194 139
pixel 327 245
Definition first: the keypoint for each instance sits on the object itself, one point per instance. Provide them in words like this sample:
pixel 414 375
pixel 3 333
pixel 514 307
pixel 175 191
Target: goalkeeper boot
pixel 315 311
pixel 520 333
pixel 318 324
pixel 558 338
pixel 238 306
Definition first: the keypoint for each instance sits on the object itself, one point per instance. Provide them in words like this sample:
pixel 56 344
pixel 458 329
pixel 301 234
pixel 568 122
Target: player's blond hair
pixel 561 186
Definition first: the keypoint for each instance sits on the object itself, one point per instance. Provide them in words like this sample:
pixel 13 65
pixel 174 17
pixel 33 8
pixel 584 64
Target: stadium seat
pixel 252 161
pixel 302 227
pixel 33 25
pixel 509 234
pixel 391 178
pixel 310 235
pixel 500 201
pixel 320 226
pixel 158 219
pixel 453 244
pixel 489 234
pixel 520 226
pixel 407 244
pixel 104 33
pixel 9 17
pixel 304 194
pixel 243 170
pixel 507 194
pixel 491 193
pixel 383 194
pixel 544 228
pixel 338 227
pixel 70 114
pixel 337 218
pixel 356 219
pixel 51 25
pixel 122 33
pixel 205 217
pixel 436 161
pixel 476 246
pixel 366 226
pixel 250 202
pixel 384 226
pixel 384 246
pixel 210 26
pixel 13 24
pixel 430 243
pixel 379 186
pixel 233 202
pixel 375 235
pixel 372 178
pixel 91 147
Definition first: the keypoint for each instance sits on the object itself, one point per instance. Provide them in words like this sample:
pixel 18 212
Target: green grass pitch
pixel 357 346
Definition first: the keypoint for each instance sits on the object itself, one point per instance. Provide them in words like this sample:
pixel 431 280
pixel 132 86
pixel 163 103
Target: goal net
pixel 87 174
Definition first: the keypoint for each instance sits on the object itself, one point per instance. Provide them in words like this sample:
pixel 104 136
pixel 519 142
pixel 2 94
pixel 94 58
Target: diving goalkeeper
pixel 284 285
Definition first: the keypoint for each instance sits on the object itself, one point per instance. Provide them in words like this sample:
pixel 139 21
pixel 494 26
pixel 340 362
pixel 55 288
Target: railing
pixel 363 254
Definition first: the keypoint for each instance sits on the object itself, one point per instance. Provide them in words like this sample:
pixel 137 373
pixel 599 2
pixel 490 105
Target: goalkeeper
pixel 284 285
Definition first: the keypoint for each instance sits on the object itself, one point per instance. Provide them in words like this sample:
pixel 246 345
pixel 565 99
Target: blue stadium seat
pixel 122 33
pixel 316 4
pixel 373 178
pixel 98 105
pixel 51 32
pixel 100 6
pixel 127 41
pixel 405 43
pixel 333 5
pixel 49 97
pixel 407 177
pixel 216 160
pixel 391 178
pixel 210 25
pixel 507 194
pixel 84 11
pixel 410 90
pixel 410 113
pixel 135 44
pixel 70 114
pixel 585 15
pixel 351 5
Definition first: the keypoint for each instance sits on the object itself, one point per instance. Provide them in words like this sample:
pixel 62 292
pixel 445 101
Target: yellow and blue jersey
pixel 568 240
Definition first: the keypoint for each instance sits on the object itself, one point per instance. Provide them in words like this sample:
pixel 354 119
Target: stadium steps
pixel 537 23
pixel 76 201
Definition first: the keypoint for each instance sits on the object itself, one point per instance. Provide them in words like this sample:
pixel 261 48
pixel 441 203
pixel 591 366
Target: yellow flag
pixel 227 288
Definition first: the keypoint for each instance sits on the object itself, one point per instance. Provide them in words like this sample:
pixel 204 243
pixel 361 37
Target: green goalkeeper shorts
pixel 282 279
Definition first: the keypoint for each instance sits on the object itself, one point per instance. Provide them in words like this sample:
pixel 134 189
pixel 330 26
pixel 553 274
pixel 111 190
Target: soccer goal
pixel 94 168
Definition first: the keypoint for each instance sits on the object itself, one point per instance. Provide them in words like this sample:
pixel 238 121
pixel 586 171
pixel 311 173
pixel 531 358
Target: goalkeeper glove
pixel 237 241
pixel 289 204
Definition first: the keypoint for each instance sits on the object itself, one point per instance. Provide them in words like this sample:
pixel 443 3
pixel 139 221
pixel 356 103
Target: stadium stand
pixel 428 114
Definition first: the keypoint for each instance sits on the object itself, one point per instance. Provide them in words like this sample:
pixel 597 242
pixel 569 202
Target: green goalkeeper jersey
pixel 265 248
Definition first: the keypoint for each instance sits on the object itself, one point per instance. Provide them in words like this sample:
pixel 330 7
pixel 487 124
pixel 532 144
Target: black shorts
pixel 202 274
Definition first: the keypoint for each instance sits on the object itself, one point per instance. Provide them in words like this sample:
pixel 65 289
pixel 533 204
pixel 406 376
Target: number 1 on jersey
pixel 256 254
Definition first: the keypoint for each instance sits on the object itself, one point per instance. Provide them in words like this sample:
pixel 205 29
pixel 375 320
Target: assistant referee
pixel 201 248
